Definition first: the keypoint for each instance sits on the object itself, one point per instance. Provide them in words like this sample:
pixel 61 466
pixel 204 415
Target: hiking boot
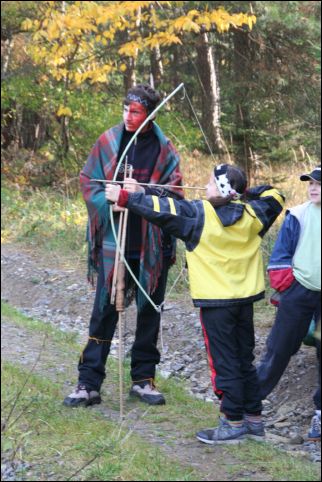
pixel 314 434
pixel 225 433
pixel 82 397
pixel 147 393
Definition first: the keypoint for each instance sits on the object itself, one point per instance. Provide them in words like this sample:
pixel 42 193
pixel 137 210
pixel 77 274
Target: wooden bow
pixel 118 287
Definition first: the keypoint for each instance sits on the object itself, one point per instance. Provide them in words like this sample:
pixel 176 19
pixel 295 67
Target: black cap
pixel 315 175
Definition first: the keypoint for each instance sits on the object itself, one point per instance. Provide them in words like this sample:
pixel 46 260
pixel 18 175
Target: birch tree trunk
pixel 156 66
pixel 6 48
pixel 211 93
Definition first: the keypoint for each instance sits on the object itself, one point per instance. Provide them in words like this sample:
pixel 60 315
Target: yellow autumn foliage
pixel 69 42
pixel 64 111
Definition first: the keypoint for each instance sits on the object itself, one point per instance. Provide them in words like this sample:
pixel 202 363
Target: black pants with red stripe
pixel 144 354
pixel 230 341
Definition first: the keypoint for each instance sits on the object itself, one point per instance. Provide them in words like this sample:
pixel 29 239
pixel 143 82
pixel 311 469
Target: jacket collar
pixel 230 213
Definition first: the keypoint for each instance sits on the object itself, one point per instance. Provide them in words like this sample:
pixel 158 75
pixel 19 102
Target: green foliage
pixel 13 14
pixel 183 132
pixel 94 114
pixel 22 90
pixel 97 113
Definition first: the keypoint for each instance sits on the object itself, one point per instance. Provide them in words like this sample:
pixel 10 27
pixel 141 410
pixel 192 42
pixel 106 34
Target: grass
pixel 50 221
pixel 8 312
pixel 66 439
pixel 56 442
pixel 274 463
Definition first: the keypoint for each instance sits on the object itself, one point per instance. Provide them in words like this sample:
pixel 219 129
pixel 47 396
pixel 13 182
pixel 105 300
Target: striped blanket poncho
pixel 101 164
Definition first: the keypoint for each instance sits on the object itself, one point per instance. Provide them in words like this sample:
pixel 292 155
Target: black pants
pixel 297 307
pixel 230 341
pixel 144 355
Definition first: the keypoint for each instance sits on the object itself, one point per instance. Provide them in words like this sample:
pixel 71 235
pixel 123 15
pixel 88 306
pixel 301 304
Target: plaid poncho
pixel 101 164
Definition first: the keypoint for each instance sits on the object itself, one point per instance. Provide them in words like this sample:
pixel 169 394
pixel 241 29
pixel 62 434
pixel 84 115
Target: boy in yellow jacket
pixel 222 235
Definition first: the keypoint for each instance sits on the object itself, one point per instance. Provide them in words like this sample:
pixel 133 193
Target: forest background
pixel 251 72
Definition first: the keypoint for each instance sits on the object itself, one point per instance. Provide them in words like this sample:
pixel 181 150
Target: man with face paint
pixel 149 251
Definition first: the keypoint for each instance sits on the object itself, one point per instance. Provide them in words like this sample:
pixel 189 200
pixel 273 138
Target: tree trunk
pixel 211 94
pixel 155 58
pixel 242 69
pixel 156 66
pixel 175 66
pixel 6 48
pixel 129 78
pixel 18 141
pixel 64 136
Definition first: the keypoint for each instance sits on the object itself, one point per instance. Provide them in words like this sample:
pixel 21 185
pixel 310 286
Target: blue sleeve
pixel 182 219
pixel 267 203
pixel 161 192
pixel 285 245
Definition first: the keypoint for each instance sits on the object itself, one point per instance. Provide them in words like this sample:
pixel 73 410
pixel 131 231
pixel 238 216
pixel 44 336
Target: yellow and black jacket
pixel 222 243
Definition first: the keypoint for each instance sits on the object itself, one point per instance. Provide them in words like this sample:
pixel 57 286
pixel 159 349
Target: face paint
pixel 134 115
pixel 212 189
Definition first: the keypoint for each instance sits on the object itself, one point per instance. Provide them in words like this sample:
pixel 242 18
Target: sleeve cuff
pixel 123 198
pixel 281 279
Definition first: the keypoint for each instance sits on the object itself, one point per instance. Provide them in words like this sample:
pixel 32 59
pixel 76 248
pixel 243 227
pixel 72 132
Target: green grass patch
pixel 46 219
pixel 276 464
pixel 11 314
pixel 57 442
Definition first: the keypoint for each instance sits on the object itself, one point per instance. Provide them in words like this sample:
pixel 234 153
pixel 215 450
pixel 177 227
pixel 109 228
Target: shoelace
pixel 80 388
pixel 150 380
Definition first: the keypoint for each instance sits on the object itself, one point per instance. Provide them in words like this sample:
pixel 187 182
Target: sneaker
pixel 314 434
pixel 82 397
pixel 223 434
pixel 147 393
pixel 256 431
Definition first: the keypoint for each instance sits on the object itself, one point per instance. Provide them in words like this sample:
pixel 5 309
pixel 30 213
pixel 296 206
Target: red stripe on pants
pixel 210 360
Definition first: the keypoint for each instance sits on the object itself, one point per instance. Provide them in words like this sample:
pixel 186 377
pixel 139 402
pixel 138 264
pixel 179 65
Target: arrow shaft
pixel 199 188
